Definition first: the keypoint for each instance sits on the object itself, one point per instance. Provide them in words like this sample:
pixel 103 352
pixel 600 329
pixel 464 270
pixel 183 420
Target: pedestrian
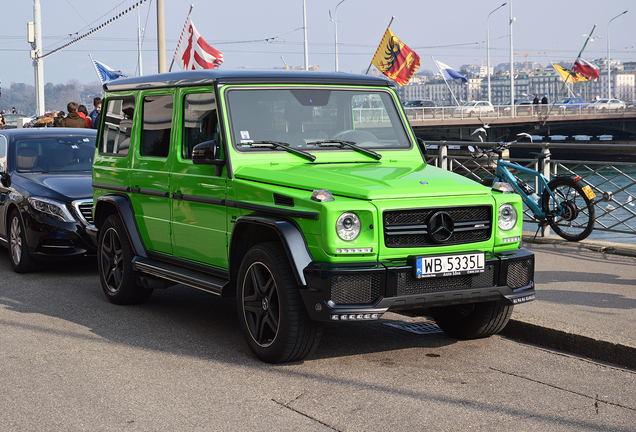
pixel 3 123
pixel 83 112
pixel 535 101
pixel 95 114
pixel 544 103
pixel 73 119
pixel 13 111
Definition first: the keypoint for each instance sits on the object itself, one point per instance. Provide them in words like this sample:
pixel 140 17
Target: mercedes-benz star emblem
pixel 441 227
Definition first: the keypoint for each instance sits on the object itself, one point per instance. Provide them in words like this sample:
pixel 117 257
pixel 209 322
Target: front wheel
pixel 21 260
pixel 472 321
pixel 114 262
pixel 272 314
pixel 576 221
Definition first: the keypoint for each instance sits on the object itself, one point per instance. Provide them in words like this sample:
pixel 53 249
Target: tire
pixel 114 262
pixel 472 321
pixel 21 260
pixel 271 312
pixel 577 222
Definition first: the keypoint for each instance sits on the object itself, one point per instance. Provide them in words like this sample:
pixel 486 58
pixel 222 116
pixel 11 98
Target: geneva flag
pixel 193 52
pixel 395 60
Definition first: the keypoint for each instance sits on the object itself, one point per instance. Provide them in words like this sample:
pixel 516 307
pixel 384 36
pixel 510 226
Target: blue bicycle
pixel 564 203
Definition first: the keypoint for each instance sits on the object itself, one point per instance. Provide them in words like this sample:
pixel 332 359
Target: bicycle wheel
pixel 577 220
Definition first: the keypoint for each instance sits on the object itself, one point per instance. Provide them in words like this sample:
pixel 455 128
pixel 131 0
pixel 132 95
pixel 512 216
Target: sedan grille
pixel 85 211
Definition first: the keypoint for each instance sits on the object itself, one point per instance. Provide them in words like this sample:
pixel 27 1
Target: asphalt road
pixel 71 361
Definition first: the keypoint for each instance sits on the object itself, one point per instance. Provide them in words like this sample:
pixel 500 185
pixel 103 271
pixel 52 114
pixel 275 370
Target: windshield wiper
pixel 285 146
pixel 341 144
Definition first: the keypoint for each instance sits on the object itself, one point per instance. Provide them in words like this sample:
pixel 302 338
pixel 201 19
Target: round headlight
pixel 507 217
pixel 348 226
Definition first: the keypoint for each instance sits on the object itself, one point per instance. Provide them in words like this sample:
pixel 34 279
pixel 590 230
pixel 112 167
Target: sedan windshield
pixel 55 154
pixel 301 117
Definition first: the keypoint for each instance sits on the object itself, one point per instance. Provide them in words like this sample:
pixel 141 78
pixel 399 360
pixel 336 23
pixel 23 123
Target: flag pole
pixel 566 81
pixel 446 82
pixel 175 51
pixel 96 71
pixel 387 27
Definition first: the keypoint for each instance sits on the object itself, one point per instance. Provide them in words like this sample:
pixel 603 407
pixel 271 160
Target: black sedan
pixel 46 196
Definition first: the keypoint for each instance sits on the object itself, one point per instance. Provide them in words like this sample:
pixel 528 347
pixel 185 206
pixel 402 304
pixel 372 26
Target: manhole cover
pixel 426 327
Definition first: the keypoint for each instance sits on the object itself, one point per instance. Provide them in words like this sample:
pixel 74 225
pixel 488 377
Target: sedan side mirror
pixel 5 179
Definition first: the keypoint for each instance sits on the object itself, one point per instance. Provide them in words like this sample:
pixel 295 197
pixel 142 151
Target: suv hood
pixel 369 181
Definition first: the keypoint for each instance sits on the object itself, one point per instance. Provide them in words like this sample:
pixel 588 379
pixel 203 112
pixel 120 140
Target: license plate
pixel 449 265
pixel 589 193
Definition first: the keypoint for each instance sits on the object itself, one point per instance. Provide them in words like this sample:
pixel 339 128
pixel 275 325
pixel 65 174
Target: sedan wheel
pixel 21 261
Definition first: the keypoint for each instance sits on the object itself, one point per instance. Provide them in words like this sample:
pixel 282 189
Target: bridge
pixel 444 123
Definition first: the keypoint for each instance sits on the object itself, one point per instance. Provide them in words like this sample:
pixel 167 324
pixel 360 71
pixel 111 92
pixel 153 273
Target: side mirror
pixel 207 153
pixel 5 179
pixel 422 145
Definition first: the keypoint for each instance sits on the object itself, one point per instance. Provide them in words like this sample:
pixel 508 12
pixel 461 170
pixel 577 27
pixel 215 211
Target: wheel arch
pixel 108 205
pixel 251 230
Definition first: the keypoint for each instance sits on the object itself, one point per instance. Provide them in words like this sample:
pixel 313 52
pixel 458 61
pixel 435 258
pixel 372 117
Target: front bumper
pixel 365 291
pixel 48 239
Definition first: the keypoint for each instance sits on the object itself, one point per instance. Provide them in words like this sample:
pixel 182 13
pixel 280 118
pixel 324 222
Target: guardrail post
pixel 545 229
pixel 443 156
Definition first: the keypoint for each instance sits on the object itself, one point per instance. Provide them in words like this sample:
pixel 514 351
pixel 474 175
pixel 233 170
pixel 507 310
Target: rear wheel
pixel 21 260
pixel 577 220
pixel 472 321
pixel 114 260
pixel 272 314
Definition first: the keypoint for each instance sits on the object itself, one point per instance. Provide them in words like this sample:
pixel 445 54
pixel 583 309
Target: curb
pixel 549 337
pixel 593 245
pixel 573 343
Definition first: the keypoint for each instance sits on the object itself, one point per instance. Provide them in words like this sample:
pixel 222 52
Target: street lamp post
pixel 335 26
pixel 488 48
pixel 609 83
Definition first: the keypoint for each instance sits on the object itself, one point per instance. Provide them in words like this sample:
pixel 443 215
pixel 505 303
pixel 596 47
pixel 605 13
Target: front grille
pixel 409 228
pixel 409 284
pixel 85 210
pixel 520 273
pixel 355 288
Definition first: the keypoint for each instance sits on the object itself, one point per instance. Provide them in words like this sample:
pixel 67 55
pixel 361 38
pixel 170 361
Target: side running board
pixel 177 274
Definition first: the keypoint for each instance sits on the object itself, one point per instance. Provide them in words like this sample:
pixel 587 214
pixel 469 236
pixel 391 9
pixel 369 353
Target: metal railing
pixel 459 113
pixel 613 182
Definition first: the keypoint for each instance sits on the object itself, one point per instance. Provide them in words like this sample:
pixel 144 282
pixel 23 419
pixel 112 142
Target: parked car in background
pixel 481 108
pixel 419 104
pixel 12 120
pixel 607 105
pixel 630 105
pixel 570 104
pixel 522 106
pixel 46 197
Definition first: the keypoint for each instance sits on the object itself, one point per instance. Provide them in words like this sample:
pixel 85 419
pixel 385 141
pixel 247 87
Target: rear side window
pixel 117 126
pixel 200 123
pixel 157 124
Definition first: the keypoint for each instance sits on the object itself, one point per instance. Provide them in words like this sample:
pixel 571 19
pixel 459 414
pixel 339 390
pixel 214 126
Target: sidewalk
pixel 586 299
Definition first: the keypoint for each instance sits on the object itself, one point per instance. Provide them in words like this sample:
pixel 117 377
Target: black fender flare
pixel 286 231
pixel 127 215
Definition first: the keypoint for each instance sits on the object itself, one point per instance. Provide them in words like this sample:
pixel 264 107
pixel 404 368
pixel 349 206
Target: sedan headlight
pixel 348 226
pixel 54 209
pixel 507 217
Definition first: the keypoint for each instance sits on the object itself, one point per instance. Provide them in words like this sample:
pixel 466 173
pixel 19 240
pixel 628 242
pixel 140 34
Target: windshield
pixel 470 103
pixel 55 154
pixel 300 117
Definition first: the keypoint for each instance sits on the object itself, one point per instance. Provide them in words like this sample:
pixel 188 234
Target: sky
pixel 258 34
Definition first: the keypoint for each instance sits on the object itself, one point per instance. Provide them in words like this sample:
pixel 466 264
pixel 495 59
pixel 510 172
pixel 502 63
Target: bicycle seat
pixel 540 156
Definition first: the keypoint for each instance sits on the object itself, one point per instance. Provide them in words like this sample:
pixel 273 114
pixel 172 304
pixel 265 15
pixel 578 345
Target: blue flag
pixel 450 73
pixel 107 73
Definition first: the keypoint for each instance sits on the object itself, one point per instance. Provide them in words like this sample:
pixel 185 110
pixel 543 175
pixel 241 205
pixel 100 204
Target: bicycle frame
pixel 503 174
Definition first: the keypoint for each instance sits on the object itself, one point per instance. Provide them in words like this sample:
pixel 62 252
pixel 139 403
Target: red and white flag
pixel 193 52
pixel 585 68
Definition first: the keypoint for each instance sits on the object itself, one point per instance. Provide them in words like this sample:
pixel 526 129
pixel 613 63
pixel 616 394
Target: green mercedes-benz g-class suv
pixel 306 196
